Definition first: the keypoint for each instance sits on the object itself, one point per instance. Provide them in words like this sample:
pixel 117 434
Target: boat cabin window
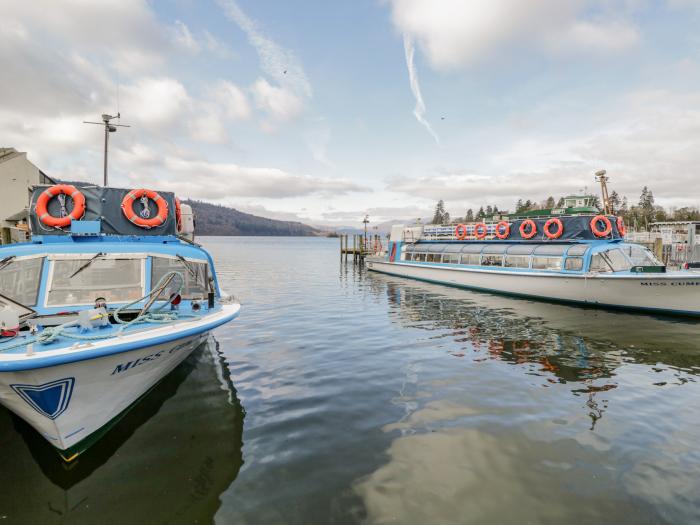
pixel 573 263
pixel 450 258
pixel 471 258
pixel 546 263
pixel 473 248
pixel 408 256
pixel 521 249
pixel 117 280
pixel 577 249
pixel 551 249
pixel 419 257
pixel 20 279
pixel 492 260
pixel 640 256
pixel 195 275
pixel 517 261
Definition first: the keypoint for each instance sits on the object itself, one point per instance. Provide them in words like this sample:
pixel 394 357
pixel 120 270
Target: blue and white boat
pixel 573 259
pixel 96 310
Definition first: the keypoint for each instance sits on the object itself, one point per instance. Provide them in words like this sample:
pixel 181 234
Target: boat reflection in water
pixel 171 456
pixel 541 408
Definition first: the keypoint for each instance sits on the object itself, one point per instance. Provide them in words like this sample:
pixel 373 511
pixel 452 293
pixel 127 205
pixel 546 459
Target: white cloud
pixel 279 103
pixel 155 102
pixel 455 33
pixel 217 181
pixel 653 139
pixel 231 99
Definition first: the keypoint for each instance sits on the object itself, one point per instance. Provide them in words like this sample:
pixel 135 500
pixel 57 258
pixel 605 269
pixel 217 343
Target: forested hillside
pixel 212 219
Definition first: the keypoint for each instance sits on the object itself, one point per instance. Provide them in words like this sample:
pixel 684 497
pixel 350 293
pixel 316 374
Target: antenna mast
pixel 600 176
pixel 109 128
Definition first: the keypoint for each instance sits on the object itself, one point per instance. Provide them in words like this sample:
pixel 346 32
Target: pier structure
pixel 360 246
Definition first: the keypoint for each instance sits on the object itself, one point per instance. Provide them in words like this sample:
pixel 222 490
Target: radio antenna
pixel 109 128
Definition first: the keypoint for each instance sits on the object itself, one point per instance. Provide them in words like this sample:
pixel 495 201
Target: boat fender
pixel 69 190
pixel 145 222
pixel 556 234
pixel 461 232
pixel 480 230
pixel 503 230
pixel 596 230
pixel 528 229
pixel 621 228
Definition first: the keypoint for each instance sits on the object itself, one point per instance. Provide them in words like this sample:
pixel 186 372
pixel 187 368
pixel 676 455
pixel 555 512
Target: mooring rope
pixel 155 316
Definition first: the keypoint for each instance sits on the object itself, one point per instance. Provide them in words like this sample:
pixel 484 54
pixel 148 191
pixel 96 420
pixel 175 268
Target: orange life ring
pixel 42 205
pixel 621 228
pixel 178 215
pixel 506 230
pixel 556 234
pixel 145 222
pixel 461 232
pixel 594 226
pixel 480 230
pixel 533 229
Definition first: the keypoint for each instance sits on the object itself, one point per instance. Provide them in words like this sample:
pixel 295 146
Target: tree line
pixel 638 215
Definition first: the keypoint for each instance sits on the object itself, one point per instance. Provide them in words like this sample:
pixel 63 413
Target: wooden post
pixel 659 248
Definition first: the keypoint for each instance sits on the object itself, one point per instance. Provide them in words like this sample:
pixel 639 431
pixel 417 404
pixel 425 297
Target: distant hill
pixel 213 219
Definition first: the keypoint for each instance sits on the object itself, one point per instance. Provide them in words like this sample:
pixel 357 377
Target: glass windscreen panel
pixel 195 275
pixel 640 256
pixel 610 261
pixel 521 249
pixel 20 279
pixel 577 249
pixel 550 249
pixel 117 280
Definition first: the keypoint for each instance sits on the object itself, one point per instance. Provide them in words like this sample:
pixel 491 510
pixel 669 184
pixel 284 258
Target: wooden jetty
pixel 361 246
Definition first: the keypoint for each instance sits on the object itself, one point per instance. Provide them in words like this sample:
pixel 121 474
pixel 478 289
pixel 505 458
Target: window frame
pixel 53 258
pixel 42 267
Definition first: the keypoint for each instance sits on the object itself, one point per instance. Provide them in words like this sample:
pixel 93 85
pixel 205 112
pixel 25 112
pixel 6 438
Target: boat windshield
pixel 612 260
pixel 20 278
pixel 116 279
pixel 195 274
pixel 640 256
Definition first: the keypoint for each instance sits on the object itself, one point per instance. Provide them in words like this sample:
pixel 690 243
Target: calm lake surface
pixel 344 396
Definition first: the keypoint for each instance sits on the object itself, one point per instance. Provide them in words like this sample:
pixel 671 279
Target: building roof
pixel 9 153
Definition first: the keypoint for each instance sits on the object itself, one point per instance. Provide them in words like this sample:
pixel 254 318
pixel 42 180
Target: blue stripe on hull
pixel 687 313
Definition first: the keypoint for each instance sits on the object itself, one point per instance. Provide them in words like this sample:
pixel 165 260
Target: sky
pixel 325 111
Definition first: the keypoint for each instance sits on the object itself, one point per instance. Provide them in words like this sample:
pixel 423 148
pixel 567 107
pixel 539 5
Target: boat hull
pixel 677 293
pixel 69 403
pixel 71 396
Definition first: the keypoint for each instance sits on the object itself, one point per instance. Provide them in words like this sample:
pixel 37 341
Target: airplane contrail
pixel 419 110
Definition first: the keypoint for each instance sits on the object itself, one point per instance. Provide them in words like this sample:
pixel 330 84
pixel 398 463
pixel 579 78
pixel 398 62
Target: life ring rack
pixel 141 221
pixel 42 205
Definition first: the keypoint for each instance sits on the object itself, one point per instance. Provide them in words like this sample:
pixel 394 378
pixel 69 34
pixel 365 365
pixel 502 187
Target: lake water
pixel 344 396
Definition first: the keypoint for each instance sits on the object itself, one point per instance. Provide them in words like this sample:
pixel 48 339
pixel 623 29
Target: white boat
pixel 92 321
pixel 581 267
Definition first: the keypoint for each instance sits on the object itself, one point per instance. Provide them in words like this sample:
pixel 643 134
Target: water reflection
pixel 167 460
pixel 520 411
